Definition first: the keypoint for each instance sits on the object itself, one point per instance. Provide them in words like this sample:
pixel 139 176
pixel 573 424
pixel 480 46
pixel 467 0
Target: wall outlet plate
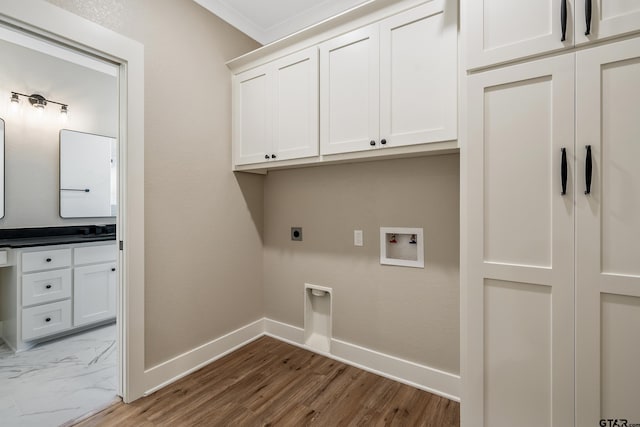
pixel 296 234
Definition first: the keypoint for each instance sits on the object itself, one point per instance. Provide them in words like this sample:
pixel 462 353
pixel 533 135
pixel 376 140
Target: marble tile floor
pixel 58 381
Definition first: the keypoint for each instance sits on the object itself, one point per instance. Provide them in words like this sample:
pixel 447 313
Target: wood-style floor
pixel 271 383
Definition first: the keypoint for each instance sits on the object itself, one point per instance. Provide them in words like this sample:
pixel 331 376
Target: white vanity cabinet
pixel 275 110
pixel 94 291
pixel 392 83
pixel 49 290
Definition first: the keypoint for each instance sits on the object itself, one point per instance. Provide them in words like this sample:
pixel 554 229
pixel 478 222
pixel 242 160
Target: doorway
pixel 68 366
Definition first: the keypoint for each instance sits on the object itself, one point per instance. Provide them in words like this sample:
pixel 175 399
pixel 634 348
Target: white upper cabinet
pixel 392 83
pixel 276 110
pixel 295 109
pixel 500 31
pixel 418 80
pixel 600 19
pixel 350 90
pixel 252 116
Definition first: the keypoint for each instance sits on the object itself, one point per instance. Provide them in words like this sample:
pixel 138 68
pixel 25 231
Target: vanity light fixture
pixel 39 101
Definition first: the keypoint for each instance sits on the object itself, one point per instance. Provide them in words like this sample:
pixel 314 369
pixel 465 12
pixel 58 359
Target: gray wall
pixel 208 270
pixel 203 224
pixel 411 313
pixel 32 142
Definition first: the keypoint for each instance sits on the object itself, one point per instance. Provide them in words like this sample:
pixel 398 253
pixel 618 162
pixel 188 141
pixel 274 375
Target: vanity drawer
pixel 95 254
pixel 4 257
pixel 46 260
pixel 39 288
pixel 47 319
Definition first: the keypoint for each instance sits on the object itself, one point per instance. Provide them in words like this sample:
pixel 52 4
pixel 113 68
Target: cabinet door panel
pixel 418 80
pixel 252 125
pixel 349 91
pixel 296 105
pixel 503 30
pixel 94 294
pixel 608 233
pixel 520 327
pixel 608 18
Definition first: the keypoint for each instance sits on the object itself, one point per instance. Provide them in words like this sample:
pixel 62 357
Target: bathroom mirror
pixel 1 168
pixel 87 175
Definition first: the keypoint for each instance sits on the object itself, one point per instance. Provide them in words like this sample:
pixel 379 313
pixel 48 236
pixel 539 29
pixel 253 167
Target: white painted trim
pixel 184 364
pixel 288 25
pixel 235 18
pixel 403 371
pixel 362 15
pixel 39 45
pixel 416 375
pixel 284 332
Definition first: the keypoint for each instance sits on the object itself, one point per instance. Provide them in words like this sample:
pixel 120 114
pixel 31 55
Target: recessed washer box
pixel 402 246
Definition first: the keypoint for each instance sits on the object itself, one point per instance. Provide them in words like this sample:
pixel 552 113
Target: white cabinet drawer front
pixel 47 319
pixel 46 260
pixel 4 257
pixel 39 288
pixel 95 254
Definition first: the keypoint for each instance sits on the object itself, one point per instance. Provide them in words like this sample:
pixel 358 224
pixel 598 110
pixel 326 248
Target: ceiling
pixel 269 20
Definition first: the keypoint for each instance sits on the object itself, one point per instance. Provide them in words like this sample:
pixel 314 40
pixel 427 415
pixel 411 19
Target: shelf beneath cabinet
pixel 431 149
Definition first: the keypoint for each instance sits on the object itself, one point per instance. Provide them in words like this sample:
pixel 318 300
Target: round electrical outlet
pixel 296 233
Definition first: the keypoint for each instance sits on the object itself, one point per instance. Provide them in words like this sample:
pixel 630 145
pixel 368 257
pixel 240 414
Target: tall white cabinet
pixel 553 289
pixel 521 287
pixel 505 30
pixel 608 234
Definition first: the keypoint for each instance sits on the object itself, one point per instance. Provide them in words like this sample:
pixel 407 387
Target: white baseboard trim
pixel 419 376
pixel 180 366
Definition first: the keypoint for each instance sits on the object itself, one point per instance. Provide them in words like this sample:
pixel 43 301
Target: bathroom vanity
pixel 56 281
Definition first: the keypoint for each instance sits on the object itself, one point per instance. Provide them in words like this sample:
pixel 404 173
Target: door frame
pixel 67 30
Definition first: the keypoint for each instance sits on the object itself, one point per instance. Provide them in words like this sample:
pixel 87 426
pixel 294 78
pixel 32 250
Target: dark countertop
pixel 45 236
pixel 53 240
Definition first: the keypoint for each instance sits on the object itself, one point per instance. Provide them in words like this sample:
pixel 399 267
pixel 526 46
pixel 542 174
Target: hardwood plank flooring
pixel 271 383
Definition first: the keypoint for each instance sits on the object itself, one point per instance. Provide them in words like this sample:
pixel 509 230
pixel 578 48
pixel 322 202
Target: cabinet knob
pixel 372 143
pixel 48 319
pixel 383 142
pixel 113 269
pixel 266 156
pixel 48 260
pixel 48 286
pixel 273 156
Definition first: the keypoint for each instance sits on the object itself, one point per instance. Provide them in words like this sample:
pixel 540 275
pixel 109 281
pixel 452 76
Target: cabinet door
pixel 504 30
pixel 418 79
pixel 608 234
pixel 295 97
pixel 349 92
pixel 608 18
pixel 94 293
pixel 519 296
pixel 252 122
